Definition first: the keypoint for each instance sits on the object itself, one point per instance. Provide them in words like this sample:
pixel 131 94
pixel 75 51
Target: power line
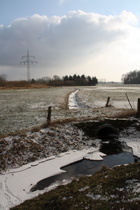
pixel 28 62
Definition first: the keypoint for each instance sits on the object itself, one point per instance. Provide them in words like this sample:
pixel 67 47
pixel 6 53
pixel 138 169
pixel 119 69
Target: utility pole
pixel 28 62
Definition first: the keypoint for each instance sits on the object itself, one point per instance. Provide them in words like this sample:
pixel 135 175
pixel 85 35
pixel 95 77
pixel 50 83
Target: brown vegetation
pixel 125 113
pixel 21 85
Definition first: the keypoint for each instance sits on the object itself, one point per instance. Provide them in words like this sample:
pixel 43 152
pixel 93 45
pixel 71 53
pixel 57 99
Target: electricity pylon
pixel 28 62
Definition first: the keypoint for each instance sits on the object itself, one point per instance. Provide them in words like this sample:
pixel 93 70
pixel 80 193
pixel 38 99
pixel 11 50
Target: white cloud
pixel 78 42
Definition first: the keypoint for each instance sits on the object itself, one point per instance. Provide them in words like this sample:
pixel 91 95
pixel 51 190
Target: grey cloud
pixel 58 41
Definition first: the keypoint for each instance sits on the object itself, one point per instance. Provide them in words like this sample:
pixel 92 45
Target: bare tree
pixel 3 79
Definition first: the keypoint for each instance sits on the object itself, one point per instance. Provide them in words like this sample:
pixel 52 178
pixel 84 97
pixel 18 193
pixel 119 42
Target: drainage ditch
pixel 118 153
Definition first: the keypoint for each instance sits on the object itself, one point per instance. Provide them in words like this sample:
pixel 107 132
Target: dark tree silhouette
pixel 132 77
pixel 3 79
pixel 75 80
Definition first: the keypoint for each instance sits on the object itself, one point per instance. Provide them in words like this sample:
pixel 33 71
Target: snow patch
pixel 95 156
pixel 131 137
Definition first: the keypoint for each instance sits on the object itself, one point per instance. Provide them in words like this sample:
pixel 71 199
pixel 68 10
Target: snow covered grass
pixel 97 96
pixel 25 108
pixel 20 149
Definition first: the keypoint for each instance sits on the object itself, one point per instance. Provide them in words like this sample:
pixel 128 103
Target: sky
pixel 92 37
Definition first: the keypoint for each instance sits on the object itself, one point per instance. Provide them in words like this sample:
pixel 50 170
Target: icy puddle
pixel 84 167
pixel 16 184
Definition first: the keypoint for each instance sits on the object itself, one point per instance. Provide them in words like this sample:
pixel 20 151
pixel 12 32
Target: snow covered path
pixel 16 183
pixel 72 104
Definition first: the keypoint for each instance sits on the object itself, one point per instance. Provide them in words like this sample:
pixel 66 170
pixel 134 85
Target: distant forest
pixel 132 77
pixel 74 80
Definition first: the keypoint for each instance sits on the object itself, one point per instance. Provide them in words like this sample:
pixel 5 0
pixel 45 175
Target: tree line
pixel 132 77
pixel 75 80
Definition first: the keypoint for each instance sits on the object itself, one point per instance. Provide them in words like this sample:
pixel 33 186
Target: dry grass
pixel 126 113
pixel 21 85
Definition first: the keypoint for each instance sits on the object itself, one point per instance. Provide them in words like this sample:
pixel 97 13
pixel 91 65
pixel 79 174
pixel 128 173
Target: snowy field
pixel 97 96
pixel 53 147
pixel 25 108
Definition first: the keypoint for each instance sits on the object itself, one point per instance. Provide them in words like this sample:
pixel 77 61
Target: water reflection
pixel 85 167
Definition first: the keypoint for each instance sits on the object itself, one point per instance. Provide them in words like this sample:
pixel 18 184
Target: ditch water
pixel 85 167
pixel 118 153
